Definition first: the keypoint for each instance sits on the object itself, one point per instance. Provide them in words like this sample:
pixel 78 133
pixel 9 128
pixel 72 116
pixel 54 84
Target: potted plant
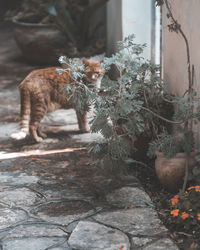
pixel 44 30
pixel 172 157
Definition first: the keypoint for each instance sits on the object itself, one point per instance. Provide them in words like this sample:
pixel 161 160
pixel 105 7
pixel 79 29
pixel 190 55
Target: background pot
pixel 170 172
pixel 40 44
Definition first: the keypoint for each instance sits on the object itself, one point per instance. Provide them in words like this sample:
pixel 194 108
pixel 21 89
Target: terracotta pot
pixel 39 43
pixel 171 172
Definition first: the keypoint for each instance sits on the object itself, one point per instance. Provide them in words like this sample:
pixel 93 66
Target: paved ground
pixel 50 194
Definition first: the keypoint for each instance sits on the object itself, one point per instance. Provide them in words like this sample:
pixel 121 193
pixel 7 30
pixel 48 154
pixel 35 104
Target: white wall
pixel 174 53
pixel 187 12
pixel 126 17
pixel 136 18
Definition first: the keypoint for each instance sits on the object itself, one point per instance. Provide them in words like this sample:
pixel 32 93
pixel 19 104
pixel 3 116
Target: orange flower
pixel 198 216
pixel 174 212
pixel 174 200
pixel 184 215
pixel 197 188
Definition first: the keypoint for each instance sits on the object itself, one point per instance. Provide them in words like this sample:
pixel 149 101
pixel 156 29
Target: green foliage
pixel 171 144
pixel 182 140
pixel 77 92
pixel 123 108
pixel 165 143
pixel 133 105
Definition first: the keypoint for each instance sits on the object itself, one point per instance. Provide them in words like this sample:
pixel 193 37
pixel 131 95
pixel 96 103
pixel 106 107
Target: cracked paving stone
pixel 20 197
pixel 90 235
pixel 63 212
pixel 34 230
pixel 16 178
pixel 161 244
pixel 139 242
pixel 36 244
pixel 8 217
pixel 65 194
pixel 136 221
pixel 128 196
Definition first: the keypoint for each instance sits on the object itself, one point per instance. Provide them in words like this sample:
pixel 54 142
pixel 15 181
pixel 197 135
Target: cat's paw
pixel 18 136
pixel 85 130
pixel 42 134
pixel 38 139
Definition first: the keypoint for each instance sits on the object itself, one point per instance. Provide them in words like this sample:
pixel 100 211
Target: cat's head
pixel 93 71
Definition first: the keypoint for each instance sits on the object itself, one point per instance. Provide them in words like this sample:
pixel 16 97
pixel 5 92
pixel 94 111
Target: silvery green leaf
pixel 62 59
pixel 60 71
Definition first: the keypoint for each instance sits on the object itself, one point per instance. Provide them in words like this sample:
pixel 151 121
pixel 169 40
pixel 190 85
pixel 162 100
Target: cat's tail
pixel 24 114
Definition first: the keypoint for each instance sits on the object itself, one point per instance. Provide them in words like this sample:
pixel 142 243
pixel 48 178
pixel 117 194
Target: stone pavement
pixel 50 194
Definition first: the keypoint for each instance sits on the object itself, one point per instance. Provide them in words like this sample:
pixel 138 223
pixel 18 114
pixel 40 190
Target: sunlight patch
pixel 4 155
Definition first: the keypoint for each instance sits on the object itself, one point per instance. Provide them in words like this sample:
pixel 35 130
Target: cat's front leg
pixel 41 133
pixel 33 133
pixel 82 121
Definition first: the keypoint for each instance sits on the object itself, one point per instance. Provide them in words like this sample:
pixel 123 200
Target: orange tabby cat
pixel 40 92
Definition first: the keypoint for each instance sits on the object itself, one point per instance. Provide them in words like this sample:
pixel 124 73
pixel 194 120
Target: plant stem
pixel 160 117
pixel 190 86
pixel 186 172
pixel 186 43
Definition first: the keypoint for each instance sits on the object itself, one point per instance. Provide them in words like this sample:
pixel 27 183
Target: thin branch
pixel 167 100
pixel 162 118
pixel 187 125
pixel 186 42
pixel 142 164
pixel 186 172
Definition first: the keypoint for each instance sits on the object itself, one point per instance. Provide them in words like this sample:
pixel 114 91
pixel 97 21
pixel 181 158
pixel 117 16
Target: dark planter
pixel 40 44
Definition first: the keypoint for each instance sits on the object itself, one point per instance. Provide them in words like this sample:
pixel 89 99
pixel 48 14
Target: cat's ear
pixel 85 61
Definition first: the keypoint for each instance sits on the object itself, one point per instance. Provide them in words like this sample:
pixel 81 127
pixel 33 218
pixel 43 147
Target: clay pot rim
pixel 178 155
pixel 17 21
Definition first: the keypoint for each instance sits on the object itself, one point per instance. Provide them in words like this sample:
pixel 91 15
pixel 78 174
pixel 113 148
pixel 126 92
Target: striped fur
pixel 40 93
